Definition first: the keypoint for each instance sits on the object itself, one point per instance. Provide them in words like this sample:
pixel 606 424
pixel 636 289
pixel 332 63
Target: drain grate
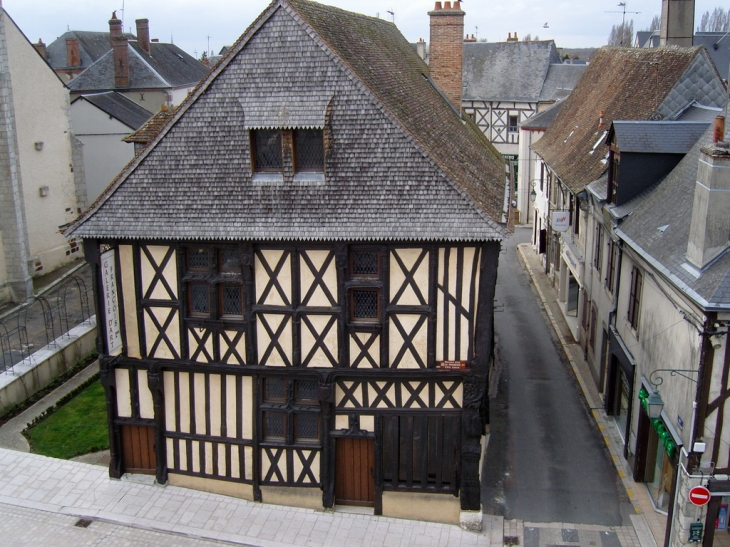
pixel 511 540
pixel 83 523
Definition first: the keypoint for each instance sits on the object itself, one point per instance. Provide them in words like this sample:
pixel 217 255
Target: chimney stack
pixel 73 57
pixel 40 47
pixel 115 28
pixel 709 232
pixel 421 48
pixel 143 34
pixel 678 20
pixel 447 50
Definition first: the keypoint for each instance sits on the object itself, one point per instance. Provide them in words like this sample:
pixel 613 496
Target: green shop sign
pixel 661 429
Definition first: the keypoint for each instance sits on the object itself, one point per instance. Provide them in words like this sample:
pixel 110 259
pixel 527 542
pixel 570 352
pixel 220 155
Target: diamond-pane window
pixel 274 424
pixel 275 389
pixel 307 390
pixel 231 300
pixel 365 263
pixel 365 304
pixel 267 150
pixel 230 260
pixel 307 426
pixel 309 149
pixel 198 259
pixel 199 299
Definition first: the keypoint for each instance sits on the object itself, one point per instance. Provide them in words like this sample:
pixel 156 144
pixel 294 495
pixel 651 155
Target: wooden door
pixel 138 449
pixel 355 472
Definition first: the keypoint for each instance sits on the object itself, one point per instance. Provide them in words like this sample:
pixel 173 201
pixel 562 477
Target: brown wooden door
pixel 138 449
pixel 355 472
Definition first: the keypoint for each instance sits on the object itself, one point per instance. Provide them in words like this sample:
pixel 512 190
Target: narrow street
pixel 546 460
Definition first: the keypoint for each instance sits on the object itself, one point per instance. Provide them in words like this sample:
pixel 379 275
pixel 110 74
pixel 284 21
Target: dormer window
pixel 308 150
pixel 614 161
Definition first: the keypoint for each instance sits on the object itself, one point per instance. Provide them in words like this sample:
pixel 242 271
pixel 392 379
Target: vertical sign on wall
pixel 111 307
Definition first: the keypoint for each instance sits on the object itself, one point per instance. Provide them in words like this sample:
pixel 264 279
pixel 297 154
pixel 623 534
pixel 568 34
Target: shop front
pixel 620 385
pixel 717 531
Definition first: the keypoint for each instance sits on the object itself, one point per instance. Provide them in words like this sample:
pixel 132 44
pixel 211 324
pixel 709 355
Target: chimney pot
pixel 40 47
pixel 447 5
pixel 437 6
pixel 115 28
pixel 718 131
pixel 143 34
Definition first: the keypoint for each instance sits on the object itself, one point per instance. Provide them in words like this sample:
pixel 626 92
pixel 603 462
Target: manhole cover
pixel 83 523
pixel 511 540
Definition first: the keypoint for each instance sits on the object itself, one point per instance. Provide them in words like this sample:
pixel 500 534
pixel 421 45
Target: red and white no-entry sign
pixel 699 495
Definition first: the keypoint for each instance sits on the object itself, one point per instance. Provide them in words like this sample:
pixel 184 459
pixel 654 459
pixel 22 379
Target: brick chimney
pixel 115 28
pixel 709 232
pixel 121 61
pixel 40 47
pixel 73 57
pixel 678 20
pixel 447 49
pixel 143 34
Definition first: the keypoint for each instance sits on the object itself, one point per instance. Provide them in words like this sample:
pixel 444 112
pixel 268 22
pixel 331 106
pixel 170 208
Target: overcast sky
pixel 192 23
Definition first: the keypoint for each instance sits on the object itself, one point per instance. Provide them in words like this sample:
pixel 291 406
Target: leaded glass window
pixel 309 149
pixel 231 300
pixel 198 259
pixel 306 426
pixel 274 389
pixel 199 299
pixel 307 390
pixel 365 263
pixel 267 150
pixel 274 425
pixel 230 260
pixel 365 304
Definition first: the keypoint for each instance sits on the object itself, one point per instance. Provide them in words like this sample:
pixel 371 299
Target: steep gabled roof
pixel 626 84
pixel 507 71
pixel 656 137
pixel 165 67
pixel 543 120
pixel 426 174
pixel 560 81
pixel 151 127
pixel 118 106
pixel 658 228
pixel 92 46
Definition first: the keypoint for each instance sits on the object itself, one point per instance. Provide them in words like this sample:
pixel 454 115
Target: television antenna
pixel 623 18
pixel 391 12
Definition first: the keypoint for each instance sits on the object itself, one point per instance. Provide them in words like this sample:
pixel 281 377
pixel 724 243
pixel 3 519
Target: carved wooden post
pixel 156 385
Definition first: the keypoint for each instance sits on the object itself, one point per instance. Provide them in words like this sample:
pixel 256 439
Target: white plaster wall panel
pixel 124 396
pixel 414 327
pixel 440 307
pixel 267 292
pixel 146 404
pixel 414 394
pixel 149 100
pixel 183 389
pixel 457 276
pixel 183 455
pixel 221 457
pixel 158 254
pixel 157 346
pixel 382 402
pixel 723 455
pixel 342 421
pixel 446 398
pixel 364 350
pixel 129 298
pixel 235 465
pixel 200 403
pixel 367 422
pixel 277 354
pixel 195 463
pixel 171 447
pixel 200 344
pixel 233 347
pixel 324 265
pixel 415 262
pixel 248 462
pixel 313 326
pixel 357 395
pixel 216 401
pixel 247 407
pixel 266 462
pixel 209 458
pixel 477 281
pixel 231 407
pixel 168 378
pixel 41 110
pixel 299 469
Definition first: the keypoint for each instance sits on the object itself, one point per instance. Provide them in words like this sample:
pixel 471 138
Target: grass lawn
pixel 78 427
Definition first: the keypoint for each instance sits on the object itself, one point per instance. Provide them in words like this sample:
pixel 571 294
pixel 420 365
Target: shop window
pixel 290 411
pixel 634 298
pixel 659 471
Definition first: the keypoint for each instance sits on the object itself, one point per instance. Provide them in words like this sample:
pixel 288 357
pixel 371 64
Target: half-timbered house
pixel 297 278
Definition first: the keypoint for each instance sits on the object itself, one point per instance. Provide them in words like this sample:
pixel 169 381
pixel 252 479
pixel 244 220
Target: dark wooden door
pixel 355 472
pixel 138 449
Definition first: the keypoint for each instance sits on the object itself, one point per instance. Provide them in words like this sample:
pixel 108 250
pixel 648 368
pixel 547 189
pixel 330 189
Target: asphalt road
pixel 546 460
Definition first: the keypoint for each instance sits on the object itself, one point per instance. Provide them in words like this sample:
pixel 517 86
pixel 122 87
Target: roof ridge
pixel 154 71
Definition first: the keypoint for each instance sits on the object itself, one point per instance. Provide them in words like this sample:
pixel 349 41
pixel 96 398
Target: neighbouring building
pixel 146 71
pixel 298 278
pixel 101 121
pixel 41 184
pixel 149 130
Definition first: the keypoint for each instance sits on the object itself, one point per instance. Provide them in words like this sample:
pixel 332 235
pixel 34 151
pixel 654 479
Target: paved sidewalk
pixel 648 524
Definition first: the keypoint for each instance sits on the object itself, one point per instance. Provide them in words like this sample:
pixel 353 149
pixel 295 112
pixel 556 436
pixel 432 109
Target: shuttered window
pixel 635 298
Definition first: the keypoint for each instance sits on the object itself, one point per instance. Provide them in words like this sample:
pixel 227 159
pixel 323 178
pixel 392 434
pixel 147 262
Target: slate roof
pixel 669 203
pixel 403 165
pixel 627 84
pixel 721 55
pixel 514 71
pixel 92 46
pixel 151 127
pixel 166 67
pixel 543 120
pixel 656 137
pixel 560 81
pixel 118 106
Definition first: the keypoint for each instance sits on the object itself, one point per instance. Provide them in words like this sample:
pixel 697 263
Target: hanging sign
pixel 560 221
pixel 695 532
pixel 699 495
pixel 112 328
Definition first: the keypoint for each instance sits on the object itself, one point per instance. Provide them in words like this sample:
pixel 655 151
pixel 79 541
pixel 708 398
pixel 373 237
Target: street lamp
pixel 654 402
pixel 533 193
